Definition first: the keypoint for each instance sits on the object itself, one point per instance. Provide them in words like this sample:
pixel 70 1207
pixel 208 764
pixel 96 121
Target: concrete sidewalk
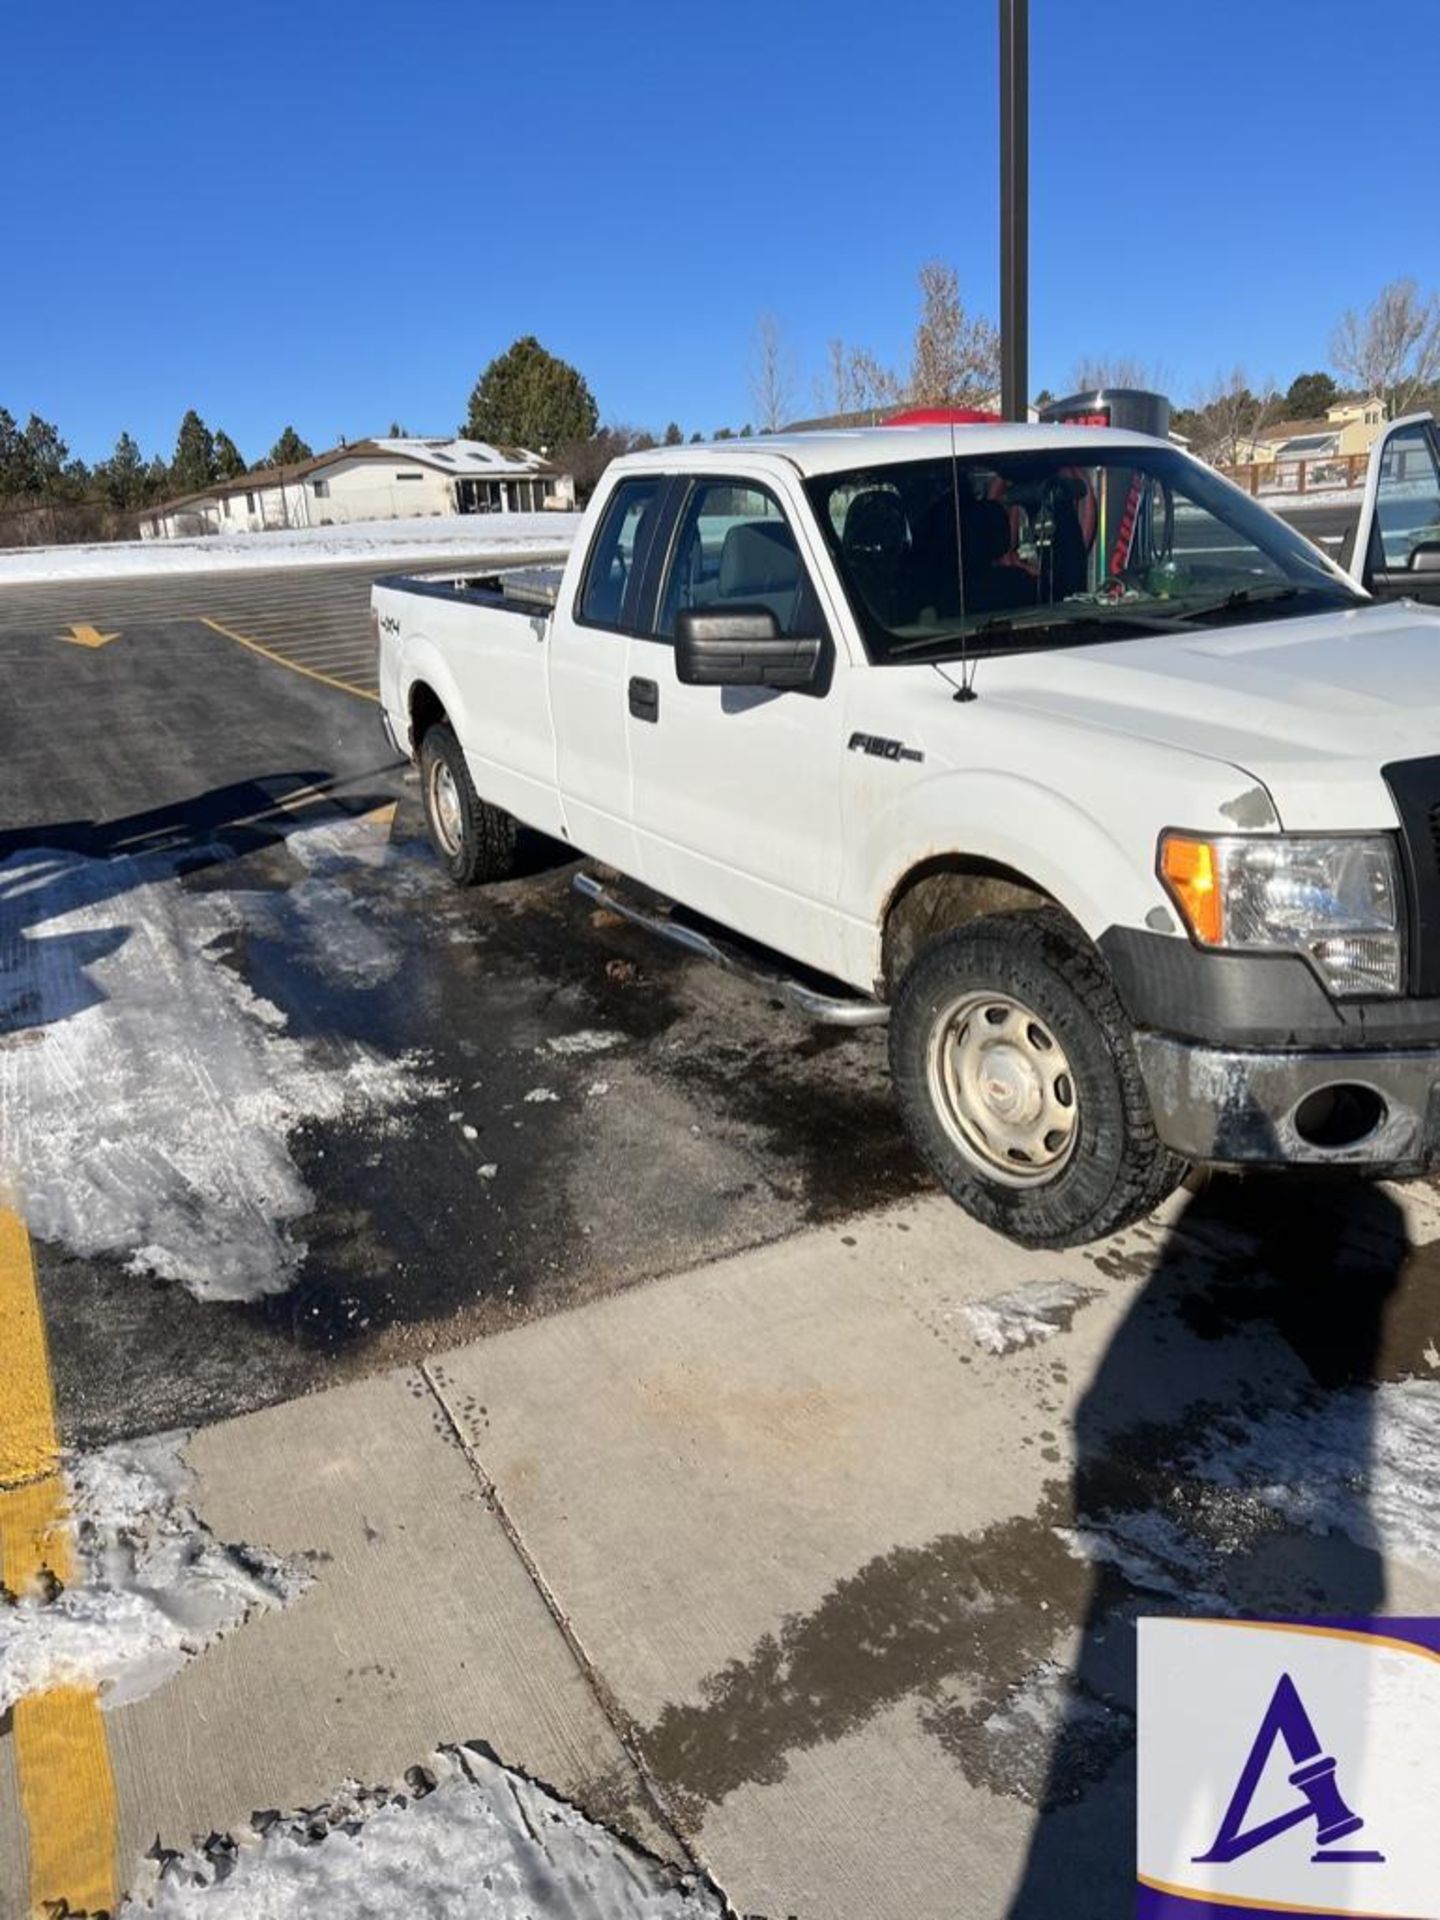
pixel 771 1564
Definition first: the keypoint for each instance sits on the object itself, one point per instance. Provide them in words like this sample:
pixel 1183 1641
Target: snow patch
pixel 1025 1315
pixel 153 1587
pixel 147 1094
pixel 587 1040
pixel 1365 1463
pixel 317 917
pixel 432 538
pixel 474 1840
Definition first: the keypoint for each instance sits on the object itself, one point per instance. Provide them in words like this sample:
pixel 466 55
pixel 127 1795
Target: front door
pixel 736 790
pixel 1397 541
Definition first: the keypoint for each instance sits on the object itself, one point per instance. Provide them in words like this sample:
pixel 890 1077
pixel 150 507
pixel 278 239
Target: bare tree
pixel 1229 416
pixel 874 387
pixel 955 360
pixel 1093 370
pixel 1393 348
pixel 841 397
pixel 772 375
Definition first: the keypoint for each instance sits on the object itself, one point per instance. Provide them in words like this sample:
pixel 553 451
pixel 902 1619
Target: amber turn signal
pixel 1188 869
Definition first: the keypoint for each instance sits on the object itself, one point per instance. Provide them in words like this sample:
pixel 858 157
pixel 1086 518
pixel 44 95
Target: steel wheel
pixel 1003 1089
pixel 445 808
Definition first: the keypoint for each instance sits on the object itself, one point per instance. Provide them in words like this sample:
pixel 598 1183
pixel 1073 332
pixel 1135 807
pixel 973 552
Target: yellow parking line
pixel 269 653
pixel 67 1790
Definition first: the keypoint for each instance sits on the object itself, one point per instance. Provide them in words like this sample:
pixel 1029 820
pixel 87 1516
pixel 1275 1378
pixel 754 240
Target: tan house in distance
pixel 1350 426
pixel 387 479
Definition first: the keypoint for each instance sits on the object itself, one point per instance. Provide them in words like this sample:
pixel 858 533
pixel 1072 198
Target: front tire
pixel 1017 1080
pixel 472 840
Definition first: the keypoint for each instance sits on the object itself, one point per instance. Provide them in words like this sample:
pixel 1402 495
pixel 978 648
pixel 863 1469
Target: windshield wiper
pixel 1002 624
pixel 1242 597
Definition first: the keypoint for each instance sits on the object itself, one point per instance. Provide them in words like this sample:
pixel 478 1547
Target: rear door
pixel 1396 552
pixel 736 790
pixel 589 691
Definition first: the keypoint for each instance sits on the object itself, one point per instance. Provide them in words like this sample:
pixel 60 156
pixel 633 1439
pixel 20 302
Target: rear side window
pixel 618 552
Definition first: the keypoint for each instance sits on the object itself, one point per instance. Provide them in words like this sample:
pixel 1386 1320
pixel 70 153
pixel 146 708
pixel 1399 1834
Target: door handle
pixel 644 699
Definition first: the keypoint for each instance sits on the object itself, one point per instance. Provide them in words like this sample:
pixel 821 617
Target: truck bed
pixel 527 590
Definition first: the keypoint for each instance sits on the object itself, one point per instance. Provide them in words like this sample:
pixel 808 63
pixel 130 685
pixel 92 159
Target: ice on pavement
pixel 153 1586
pixel 1024 1315
pixel 1365 1463
pixel 470 1841
pixel 587 1040
pixel 147 1094
pixel 461 536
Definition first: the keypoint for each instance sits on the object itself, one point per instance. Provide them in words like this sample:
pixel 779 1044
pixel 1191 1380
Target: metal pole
pixel 1014 207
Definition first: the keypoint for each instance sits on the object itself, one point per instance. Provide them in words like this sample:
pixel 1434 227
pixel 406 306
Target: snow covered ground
pixel 149 1110
pixel 153 1586
pixel 463 1839
pixel 461 536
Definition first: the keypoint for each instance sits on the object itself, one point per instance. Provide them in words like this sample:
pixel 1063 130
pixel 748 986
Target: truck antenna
pixel 966 689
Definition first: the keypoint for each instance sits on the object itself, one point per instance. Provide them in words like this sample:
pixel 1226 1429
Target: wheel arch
pixel 424 709
pixel 945 890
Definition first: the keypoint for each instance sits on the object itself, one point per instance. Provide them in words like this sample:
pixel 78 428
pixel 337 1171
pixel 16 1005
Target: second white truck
pixel 1112 794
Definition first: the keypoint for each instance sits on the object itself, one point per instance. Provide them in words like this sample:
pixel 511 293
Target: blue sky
pixel 336 214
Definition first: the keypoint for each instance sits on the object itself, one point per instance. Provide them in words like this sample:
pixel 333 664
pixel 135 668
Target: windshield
pixel 1049 549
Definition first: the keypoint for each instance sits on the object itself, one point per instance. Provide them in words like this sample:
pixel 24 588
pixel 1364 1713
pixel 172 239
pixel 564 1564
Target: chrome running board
pixel 833 1010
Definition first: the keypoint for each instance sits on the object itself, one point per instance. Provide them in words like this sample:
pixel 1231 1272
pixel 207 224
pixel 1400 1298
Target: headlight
pixel 1335 900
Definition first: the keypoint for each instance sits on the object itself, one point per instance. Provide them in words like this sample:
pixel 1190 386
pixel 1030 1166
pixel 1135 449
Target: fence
pixel 1324 474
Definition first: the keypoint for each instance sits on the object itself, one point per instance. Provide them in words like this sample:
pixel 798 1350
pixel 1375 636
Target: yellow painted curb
pixel 67 1789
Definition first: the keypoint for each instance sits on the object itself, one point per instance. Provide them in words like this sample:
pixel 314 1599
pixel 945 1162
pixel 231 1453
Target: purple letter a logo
pixel 1313 1773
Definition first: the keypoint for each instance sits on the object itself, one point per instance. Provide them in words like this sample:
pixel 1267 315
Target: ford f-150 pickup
pixel 1117 798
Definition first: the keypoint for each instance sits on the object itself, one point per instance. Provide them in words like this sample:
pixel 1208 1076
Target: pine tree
pixel 123 474
pixel 674 437
pixel 1309 395
pixel 11 455
pixel 528 398
pixel 158 481
pixel 229 461
pixel 288 451
pixel 43 455
pixel 193 467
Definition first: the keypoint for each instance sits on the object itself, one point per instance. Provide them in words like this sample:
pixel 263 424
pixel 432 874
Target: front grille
pixel 1415 788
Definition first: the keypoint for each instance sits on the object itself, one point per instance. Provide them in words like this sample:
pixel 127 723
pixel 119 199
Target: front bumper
pixel 1230 1107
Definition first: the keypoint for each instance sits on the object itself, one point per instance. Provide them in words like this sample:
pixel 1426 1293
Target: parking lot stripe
pixel 67 1789
pixel 269 653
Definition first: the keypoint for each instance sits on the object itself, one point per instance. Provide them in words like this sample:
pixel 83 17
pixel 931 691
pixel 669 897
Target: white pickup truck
pixel 1112 793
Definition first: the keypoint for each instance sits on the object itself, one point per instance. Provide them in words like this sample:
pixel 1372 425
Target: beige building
pixel 1350 426
pixel 371 480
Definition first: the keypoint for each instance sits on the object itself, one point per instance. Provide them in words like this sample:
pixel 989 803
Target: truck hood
pixel 1311 708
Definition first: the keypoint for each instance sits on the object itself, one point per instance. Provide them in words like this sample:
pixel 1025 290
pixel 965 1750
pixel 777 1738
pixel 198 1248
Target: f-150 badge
pixel 881 749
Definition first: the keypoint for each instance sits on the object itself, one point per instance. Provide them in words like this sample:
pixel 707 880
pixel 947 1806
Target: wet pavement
pixel 570 1105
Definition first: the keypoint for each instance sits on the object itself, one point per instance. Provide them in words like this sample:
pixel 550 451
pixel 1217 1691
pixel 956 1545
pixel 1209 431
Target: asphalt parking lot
pixel 564 1345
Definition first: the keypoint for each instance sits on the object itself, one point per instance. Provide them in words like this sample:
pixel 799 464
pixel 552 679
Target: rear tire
pixel 473 840
pixel 1016 1077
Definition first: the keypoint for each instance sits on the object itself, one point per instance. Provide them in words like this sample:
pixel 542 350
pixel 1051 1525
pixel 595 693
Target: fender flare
pixel 1010 823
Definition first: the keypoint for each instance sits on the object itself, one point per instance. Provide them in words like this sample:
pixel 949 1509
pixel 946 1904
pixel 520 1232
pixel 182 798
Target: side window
pixel 734 546
pixel 1407 496
pixel 621 538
